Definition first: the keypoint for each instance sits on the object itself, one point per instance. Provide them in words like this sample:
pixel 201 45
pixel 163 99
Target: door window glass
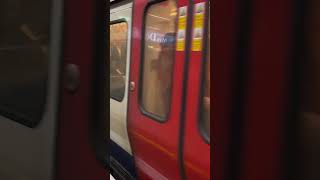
pixel 158 58
pixel 118 59
pixel 24 41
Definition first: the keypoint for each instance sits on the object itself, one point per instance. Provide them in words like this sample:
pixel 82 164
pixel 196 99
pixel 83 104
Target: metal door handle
pixel 72 78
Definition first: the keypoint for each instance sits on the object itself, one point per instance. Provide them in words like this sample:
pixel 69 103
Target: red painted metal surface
pixel 196 150
pixel 268 67
pixel 224 29
pixel 154 144
pixel 75 156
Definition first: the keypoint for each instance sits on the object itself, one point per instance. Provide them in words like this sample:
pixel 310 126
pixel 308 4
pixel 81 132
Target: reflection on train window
pixel 205 113
pixel 310 100
pixel 158 58
pixel 24 40
pixel 118 57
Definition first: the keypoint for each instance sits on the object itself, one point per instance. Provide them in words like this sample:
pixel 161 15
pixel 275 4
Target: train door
pixel 120 30
pixel 120 43
pixel 156 87
pixel 196 141
pixel 82 126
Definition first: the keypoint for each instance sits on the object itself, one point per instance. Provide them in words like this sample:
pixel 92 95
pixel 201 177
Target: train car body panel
pixel 155 132
pixel 121 159
pixel 80 126
pixel 225 34
pixel 197 121
pixel 118 109
pixel 269 63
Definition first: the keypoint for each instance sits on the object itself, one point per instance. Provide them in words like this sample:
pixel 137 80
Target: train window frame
pixel 118 21
pixel 26 119
pixel 153 116
pixel 201 126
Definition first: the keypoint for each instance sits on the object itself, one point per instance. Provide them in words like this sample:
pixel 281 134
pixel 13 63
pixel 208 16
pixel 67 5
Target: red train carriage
pixel 52 97
pixel 52 92
pixel 164 130
pixel 265 78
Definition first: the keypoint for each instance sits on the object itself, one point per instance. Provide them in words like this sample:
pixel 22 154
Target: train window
pixel 118 57
pixel 24 41
pixel 158 58
pixel 205 109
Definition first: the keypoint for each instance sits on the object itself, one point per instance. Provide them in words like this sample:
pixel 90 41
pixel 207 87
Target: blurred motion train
pixel 53 90
pixel 52 98
pixel 266 83
pixel 160 89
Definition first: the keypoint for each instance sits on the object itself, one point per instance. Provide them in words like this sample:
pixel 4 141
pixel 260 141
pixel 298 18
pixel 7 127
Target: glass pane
pixel 24 40
pixel 118 57
pixel 159 54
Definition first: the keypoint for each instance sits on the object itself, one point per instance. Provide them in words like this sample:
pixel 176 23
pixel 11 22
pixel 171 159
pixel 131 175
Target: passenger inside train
pixel 118 57
pixel 163 66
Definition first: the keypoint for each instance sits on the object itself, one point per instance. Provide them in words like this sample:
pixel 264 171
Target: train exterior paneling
pixel 121 159
pixel 269 63
pixel 154 142
pixel 118 108
pixel 224 67
pixel 157 116
pixel 252 143
pixel 82 135
pixel 197 130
